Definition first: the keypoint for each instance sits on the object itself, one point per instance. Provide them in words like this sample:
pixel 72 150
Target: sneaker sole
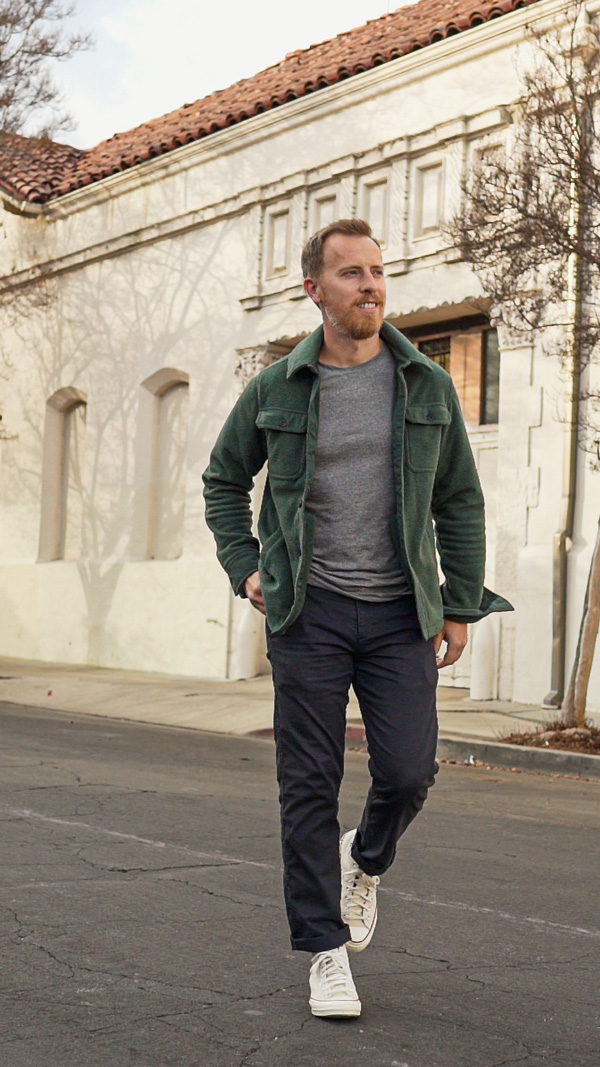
pixel 360 946
pixel 335 1008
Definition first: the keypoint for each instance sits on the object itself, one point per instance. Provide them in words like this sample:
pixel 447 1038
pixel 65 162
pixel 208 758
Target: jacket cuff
pixel 242 570
pixel 489 603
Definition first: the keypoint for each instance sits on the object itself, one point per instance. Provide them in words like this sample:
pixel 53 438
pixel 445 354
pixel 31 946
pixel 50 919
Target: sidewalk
pixel 468 729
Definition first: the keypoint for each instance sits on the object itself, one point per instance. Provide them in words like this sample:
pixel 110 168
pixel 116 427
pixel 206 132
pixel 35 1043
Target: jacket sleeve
pixel 459 516
pixel 238 455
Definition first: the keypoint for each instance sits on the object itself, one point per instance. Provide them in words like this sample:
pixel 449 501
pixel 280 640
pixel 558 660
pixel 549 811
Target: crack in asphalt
pixel 441 1007
pixel 532 922
pixel 415 955
pixel 48 952
pixel 171 1019
pixel 245 1061
pixel 223 896
pixel 465 848
pixel 145 982
pixel 518 1059
pixel 148 870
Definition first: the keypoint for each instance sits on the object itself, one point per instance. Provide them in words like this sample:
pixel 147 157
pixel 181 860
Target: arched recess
pixel 62 476
pixel 164 409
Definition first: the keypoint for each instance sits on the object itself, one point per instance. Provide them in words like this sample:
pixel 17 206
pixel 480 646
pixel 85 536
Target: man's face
pixel 351 288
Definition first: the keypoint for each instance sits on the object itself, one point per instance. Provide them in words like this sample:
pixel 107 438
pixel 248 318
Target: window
pixel 490 377
pixel 62 476
pixel 469 352
pixel 465 368
pixel 438 349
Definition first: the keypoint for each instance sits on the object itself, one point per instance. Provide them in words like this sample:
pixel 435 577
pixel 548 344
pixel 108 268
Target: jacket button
pixel 430 417
pixel 283 423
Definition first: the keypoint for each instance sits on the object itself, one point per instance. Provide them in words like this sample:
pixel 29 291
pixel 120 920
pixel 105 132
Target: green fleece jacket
pixel 438 495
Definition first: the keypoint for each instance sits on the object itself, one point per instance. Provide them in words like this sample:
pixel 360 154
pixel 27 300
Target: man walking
pixel 369 466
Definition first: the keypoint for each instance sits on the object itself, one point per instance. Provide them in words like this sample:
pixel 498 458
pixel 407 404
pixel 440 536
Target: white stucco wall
pixel 166 266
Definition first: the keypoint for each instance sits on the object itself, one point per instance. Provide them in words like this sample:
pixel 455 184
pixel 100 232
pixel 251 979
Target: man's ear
pixel 312 290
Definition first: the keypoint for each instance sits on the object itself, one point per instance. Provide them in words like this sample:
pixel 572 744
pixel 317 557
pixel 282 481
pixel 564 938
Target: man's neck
pixel 341 351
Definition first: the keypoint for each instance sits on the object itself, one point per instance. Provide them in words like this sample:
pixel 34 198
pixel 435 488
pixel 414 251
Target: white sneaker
pixel 332 989
pixel 359 897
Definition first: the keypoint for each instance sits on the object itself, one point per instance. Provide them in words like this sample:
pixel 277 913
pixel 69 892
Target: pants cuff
pixel 371 871
pixel 321 944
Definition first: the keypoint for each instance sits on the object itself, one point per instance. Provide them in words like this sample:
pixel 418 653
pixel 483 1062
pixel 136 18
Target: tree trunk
pixel 568 704
pixel 574 704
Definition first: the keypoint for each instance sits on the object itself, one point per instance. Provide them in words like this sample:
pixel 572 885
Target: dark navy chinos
pixel 378 648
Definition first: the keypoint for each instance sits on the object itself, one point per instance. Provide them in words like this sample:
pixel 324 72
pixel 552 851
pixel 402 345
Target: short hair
pixel 312 253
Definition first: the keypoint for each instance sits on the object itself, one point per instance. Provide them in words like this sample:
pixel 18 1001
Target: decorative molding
pixel 510 337
pixel 258 300
pixel 97 252
pixel 254 359
pixel 352 169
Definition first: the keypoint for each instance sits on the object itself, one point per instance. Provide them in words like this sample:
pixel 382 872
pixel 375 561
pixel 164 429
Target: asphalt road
pixel 141 917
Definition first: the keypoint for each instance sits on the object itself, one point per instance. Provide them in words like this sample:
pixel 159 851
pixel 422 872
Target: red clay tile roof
pixel 31 168
pixel 38 170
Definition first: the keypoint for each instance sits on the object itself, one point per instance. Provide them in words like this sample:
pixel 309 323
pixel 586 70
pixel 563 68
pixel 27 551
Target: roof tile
pixel 37 170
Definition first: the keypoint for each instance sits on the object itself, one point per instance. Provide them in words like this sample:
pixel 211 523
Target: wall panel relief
pixel 373 204
pixel 254 359
pixel 278 242
pixel 323 209
pixel 403 187
pixel 428 198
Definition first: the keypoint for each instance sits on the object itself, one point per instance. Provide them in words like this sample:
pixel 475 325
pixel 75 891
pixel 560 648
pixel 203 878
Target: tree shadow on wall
pixel 104 329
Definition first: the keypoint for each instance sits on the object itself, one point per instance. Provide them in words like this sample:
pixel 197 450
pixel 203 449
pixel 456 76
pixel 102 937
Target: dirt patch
pixel 585 739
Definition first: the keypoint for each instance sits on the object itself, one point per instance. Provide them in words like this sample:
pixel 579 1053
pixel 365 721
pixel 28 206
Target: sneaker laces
pixel 335 975
pixel 359 894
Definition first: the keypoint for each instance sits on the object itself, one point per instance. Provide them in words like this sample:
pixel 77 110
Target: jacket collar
pixel 306 353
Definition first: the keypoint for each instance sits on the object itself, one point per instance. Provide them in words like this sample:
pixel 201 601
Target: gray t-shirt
pixel 352 497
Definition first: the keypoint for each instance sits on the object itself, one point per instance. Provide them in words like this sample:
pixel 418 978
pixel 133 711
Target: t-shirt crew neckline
pixel 355 366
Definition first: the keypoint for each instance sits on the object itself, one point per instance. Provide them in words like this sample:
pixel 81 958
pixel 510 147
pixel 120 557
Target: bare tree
pixel 33 33
pixel 530 226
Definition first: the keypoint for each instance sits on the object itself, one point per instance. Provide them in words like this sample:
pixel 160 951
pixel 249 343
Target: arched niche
pixel 162 462
pixel 61 511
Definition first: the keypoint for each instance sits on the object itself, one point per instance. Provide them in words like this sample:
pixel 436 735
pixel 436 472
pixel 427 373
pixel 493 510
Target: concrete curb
pixel 494 753
pixel 520 757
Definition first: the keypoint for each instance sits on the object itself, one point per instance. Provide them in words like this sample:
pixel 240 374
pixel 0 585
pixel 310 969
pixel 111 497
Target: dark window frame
pixel 432 332
pixel 490 386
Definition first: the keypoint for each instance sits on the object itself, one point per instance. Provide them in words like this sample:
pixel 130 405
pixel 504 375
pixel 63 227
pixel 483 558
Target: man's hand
pixel 253 592
pixel 455 635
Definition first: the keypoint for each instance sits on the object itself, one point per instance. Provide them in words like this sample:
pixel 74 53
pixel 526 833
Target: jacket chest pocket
pixel 423 434
pixel 286 441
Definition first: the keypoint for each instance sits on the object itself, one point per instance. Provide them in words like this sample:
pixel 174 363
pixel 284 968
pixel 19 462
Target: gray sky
pixel 152 56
